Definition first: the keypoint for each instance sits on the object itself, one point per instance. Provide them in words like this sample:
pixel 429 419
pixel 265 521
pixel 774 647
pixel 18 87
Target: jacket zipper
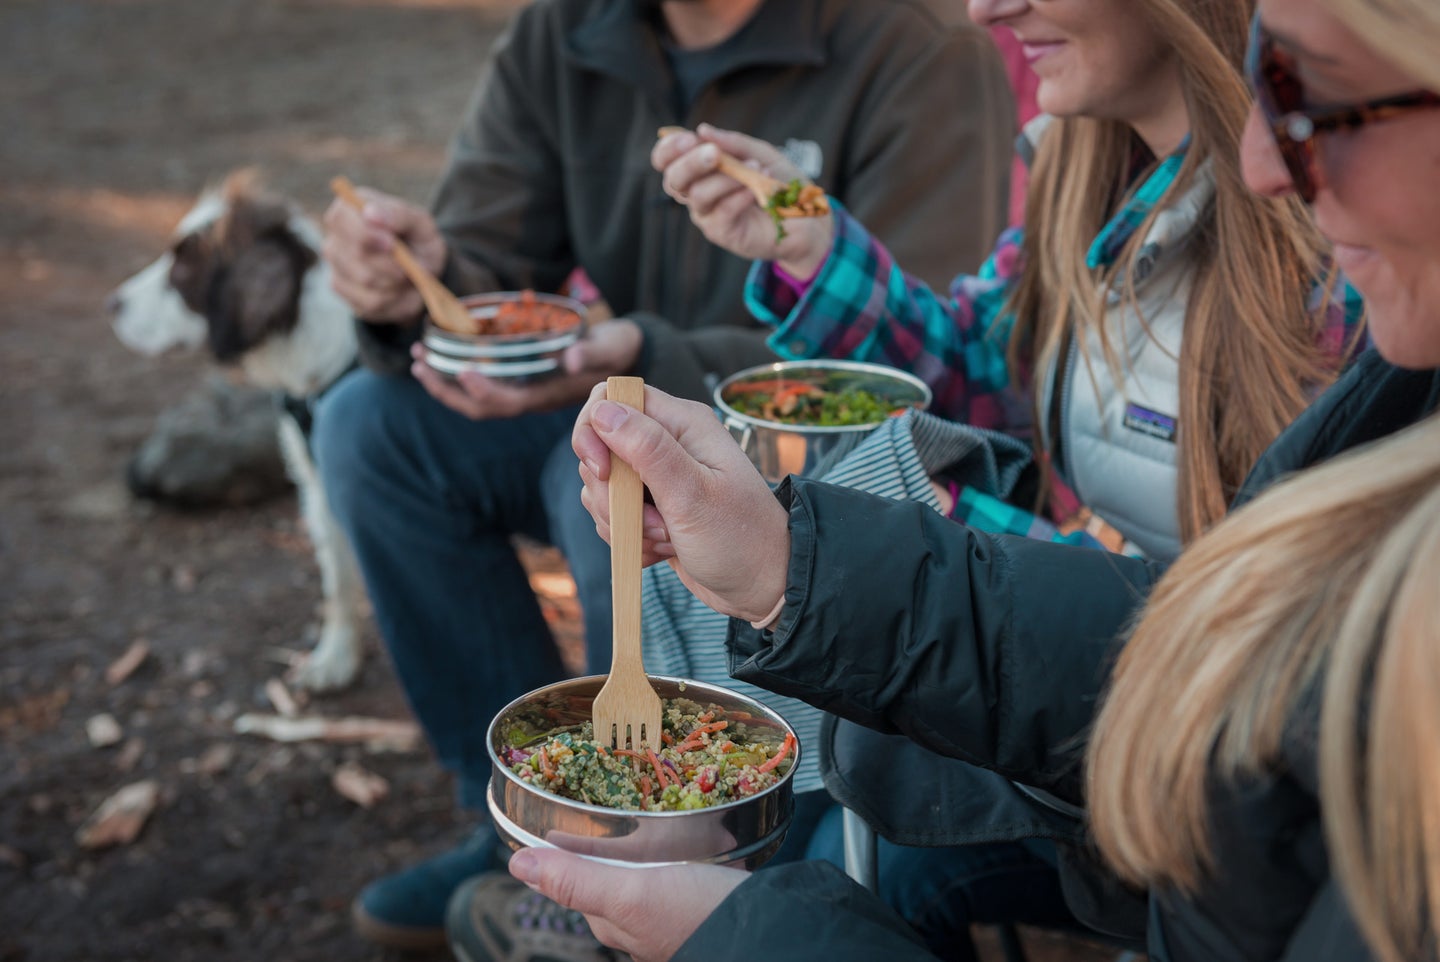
pixel 1067 438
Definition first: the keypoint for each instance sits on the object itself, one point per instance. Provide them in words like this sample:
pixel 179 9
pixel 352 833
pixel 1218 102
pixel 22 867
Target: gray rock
pixel 217 446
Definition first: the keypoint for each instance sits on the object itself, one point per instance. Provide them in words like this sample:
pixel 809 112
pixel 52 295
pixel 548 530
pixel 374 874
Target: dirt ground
pixel 115 113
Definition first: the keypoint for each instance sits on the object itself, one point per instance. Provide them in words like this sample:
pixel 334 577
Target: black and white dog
pixel 244 278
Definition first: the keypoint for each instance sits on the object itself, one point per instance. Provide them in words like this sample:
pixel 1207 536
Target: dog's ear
pixel 261 293
pixel 264 266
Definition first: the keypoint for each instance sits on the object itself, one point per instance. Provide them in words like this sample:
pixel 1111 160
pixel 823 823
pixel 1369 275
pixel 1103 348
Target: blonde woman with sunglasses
pixel 1150 330
pixel 1266 762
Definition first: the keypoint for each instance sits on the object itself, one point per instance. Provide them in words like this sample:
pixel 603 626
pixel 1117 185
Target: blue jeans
pixel 941 892
pixel 430 500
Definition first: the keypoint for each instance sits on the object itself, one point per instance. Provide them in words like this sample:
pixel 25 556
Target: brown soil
pixel 116 114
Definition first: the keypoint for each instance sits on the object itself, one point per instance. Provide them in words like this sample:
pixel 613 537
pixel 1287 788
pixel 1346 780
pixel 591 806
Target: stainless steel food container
pixel 779 449
pixel 516 356
pixel 743 833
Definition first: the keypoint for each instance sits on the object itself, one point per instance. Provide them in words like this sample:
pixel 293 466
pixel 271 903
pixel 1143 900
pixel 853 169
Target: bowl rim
pixel 498 345
pixel 497 299
pixel 501 767
pixel 497 369
pixel 506 825
pixel 826 364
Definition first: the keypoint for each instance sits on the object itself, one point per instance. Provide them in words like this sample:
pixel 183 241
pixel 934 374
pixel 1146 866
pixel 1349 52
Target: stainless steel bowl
pixel 778 449
pixel 745 832
pixel 517 356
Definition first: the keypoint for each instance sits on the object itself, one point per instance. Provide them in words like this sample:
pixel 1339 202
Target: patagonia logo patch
pixel 1149 422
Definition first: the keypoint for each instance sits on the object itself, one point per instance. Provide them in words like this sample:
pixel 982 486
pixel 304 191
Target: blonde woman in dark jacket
pixel 1266 759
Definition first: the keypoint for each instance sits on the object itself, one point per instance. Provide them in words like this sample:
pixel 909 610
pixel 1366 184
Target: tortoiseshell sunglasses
pixel 1281 98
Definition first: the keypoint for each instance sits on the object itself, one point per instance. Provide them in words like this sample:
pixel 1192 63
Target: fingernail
pixel 705 129
pixel 417 369
pixel 524 866
pixel 709 153
pixel 609 416
pixel 417 351
pixel 592 467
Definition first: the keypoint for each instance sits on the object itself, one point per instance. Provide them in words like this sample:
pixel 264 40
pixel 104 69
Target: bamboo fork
pixel 444 307
pixel 626 712
pixel 762 185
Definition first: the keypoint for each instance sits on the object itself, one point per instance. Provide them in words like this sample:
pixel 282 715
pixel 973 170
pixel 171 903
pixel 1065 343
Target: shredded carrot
pixel 667 738
pixel 545 765
pixel 645 785
pixel 780 755
pixel 627 753
pixel 661 772
pixel 693 740
pixel 793 391
pixel 705 718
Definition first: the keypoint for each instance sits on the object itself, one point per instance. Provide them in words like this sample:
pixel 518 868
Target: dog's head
pixel 232 278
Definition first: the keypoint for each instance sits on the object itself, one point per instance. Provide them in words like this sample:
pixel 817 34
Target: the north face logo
pixel 805 154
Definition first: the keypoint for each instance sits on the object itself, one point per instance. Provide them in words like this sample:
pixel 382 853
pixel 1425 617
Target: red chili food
pixel 528 315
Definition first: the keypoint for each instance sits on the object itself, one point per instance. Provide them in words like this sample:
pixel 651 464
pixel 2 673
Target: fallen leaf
pixel 103 730
pixel 120 817
pixel 36 712
pixel 124 666
pixel 361 786
pixel 212 761
pixel 129 754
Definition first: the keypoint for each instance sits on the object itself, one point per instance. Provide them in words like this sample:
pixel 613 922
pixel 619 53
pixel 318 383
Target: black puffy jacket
pixel 903 621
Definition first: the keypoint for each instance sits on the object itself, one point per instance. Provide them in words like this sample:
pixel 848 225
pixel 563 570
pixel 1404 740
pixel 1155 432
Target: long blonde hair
pixel 1327 586
pixel 1250 355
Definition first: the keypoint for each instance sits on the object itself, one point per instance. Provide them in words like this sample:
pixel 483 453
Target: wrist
pixel 768 621
pixel 772 572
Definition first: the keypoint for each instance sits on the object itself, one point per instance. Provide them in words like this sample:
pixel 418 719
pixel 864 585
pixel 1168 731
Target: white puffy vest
pixel 1118 437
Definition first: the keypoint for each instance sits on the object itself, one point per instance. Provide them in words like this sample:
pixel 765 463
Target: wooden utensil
pixel 761 184
pixel 444 307
pixel 627 711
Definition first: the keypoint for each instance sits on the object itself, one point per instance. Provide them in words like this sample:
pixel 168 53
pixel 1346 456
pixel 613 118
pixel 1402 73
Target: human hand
pixel 623 905
pixel 725 211
pixel 611 347
pixel 358 247
pixel 714 519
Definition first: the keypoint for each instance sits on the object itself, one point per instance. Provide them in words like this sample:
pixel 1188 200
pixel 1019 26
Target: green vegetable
pixel 787 196
pixel 815 407
pixel 697 777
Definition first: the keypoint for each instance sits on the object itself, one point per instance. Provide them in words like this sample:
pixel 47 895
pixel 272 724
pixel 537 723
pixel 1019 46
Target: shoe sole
pixel 403 937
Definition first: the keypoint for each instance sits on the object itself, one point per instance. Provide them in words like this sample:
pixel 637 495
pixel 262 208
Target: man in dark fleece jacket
pixel 899 108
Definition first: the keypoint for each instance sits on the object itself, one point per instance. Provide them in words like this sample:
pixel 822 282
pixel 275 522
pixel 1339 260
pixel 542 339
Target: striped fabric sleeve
pixel 863 307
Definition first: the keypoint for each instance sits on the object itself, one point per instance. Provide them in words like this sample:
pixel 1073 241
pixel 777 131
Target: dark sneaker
pixel 496 918
pixel 406 910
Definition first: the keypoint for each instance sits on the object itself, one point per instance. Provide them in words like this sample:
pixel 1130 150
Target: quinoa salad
pixel 708 756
